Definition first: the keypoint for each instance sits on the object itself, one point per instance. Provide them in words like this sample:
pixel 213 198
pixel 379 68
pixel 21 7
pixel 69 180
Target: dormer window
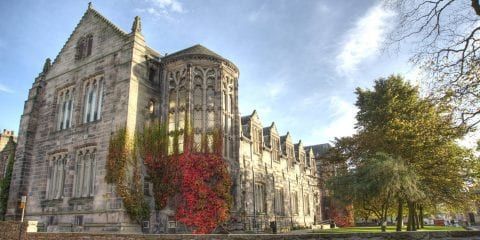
pixel 84 47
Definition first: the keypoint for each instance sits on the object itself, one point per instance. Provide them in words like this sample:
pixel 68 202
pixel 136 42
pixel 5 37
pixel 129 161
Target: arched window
pixel 56 177
pixel 151 107
pixel 93 100
pixel 84 47
pixel 89 45
pixel 85 174
pixel 65 109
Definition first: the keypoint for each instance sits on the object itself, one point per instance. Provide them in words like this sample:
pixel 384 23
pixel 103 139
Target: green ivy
pixel 5 186
pixel 121 162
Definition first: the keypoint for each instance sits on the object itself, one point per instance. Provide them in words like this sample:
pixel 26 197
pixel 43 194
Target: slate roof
pixel 320 150
pixel 195 50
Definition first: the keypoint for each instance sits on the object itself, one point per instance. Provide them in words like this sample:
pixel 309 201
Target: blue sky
pixel 299 61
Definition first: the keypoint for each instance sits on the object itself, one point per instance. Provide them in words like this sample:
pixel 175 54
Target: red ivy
pixel 204 191
pixel 342 216
pixel 198 180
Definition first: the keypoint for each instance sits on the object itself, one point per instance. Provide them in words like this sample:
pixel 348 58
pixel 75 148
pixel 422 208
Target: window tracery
pixel 56 176
pixel 93 99
pixel 65 108
pixel 84 47
pixel 85 164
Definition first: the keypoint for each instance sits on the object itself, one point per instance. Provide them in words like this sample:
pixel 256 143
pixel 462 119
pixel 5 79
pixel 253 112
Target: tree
pixel 446 39
pixel 375 184
pixel 394 119
pixel 5 185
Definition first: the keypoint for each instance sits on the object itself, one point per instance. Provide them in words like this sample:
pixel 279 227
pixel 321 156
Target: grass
pixel 389 229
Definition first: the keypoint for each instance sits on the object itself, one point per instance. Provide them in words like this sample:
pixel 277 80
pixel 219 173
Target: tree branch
pixel 476 7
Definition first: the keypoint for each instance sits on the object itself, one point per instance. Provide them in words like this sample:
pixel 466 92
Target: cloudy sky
pixel 299 61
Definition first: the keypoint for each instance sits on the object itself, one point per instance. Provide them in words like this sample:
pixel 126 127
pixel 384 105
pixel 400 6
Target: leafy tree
pixel 375 184
pixel 445 35
pixel 394 119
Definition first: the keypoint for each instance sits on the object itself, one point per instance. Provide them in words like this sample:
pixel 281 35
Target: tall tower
pixel 201 86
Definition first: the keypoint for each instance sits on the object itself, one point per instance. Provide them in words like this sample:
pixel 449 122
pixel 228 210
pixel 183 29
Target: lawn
pixel 389 229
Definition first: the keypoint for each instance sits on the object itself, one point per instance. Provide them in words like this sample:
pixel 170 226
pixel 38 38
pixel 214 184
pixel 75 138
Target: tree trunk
pixel 409 216
pixel 417 220
pixel 399 215
pixel 421 216
pixel 414 217
pixel 411 226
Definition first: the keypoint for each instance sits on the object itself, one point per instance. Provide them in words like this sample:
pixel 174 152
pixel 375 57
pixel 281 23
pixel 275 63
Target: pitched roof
pixel 94 12
pixel 320 150
pixel 195 50
pixel 245 119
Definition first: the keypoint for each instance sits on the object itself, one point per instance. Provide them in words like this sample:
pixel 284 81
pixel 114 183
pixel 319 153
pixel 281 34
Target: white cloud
pixel 168 5
pixel 365 39
pixel 275 88
pixel 341 120
pixel 162 8
pixel 6 89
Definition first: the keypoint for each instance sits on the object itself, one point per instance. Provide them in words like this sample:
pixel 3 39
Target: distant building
pixel 7 146
pixel 105 79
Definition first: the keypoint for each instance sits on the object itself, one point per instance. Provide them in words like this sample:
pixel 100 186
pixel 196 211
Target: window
pixel 151 107
pixel 279 203
pixel 295 203
pixel 116 203
pixel 56 176
pixel 65 108
pixel 146 188
pixel 307 204
pixel 84 47
pixel 85 173
pixel 260 203
pixel 151 74
pixel 275 149
pixel 257 139
pixel 93 98
pixel 79 220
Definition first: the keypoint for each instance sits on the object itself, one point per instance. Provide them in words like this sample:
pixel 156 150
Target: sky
pixel 300 61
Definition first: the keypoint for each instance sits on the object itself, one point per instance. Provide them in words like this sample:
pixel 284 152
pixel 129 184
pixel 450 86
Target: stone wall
pixel 402 235
pixel 11 230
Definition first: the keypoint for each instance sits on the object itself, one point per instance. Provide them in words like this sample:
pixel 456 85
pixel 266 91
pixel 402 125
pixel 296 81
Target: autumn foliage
pixel 342 215
pixel 122 164
pixel 194 179
pixel 204 188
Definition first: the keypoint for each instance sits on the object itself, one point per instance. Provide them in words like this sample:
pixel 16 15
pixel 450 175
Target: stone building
pixel 105 79
pixel 7 147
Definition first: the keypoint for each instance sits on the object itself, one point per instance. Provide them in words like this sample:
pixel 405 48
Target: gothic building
pixel 105 79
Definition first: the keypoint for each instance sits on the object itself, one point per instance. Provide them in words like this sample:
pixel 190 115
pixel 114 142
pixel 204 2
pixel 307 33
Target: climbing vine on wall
pixel 204 187
pixel 160 165
pixel 5 185
pixel 197 181
pixel 342 215
pixel 124 171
